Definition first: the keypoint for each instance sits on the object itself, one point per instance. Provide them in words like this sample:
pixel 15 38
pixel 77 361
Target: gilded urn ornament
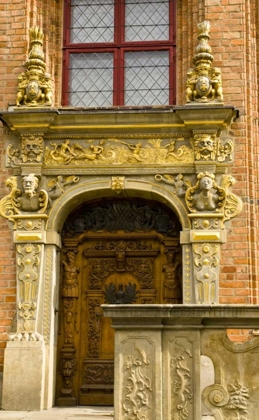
pixel 35 86
pixel 204 82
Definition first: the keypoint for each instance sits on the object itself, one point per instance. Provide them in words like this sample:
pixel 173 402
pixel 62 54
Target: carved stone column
pixel 31 343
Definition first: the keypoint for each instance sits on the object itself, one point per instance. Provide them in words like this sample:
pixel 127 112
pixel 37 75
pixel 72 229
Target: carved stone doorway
pixel 115 251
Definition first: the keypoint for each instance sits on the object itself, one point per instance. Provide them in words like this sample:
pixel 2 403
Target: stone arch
pixel 87 191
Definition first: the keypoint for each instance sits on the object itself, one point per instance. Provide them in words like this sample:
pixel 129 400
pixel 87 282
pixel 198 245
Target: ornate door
pixel 106 267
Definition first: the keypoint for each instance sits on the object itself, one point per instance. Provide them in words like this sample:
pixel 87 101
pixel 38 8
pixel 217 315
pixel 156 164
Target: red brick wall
pixel 234 41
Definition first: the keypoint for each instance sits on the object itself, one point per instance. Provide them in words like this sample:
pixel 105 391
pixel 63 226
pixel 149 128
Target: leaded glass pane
pixel 146 78
pixel 146 20
pixel 91 79
pixel 92 21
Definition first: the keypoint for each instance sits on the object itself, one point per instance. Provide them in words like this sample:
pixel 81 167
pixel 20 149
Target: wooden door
pixel 97 267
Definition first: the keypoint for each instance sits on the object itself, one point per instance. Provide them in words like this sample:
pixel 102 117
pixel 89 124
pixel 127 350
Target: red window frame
pixel 118 48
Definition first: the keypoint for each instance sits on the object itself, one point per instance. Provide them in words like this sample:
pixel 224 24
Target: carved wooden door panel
pixel 143 268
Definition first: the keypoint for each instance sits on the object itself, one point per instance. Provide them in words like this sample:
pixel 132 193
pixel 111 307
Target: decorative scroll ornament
pixel 120 297
pixel 28 275
pixel 206 258
pixel 230 403
pixel 182 379
pixel 136 402
pixel 9 204
pixel 121 214
pixel 234 204
pixel 99 373
pixel 118 183
pixel 210 198
pixel 56 187
pixel 115 151
pixel 35 86
pixel 204 82
pixel 179 183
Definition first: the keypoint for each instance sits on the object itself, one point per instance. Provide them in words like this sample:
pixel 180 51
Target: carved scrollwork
pixel 93 328
pixel 136 401
pixel 181 377
pixel 143 270
pixel 233 205
pixel 99 373
pixel 122 214
pixel 9 205
pixel 229 402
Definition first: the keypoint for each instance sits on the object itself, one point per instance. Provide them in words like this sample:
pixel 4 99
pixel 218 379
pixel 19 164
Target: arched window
pixel 119 52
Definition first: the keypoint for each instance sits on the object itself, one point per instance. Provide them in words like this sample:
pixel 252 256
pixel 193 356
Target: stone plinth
pixel 23 376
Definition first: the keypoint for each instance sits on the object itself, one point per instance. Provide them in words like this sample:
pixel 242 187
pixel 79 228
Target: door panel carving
pixel 145 264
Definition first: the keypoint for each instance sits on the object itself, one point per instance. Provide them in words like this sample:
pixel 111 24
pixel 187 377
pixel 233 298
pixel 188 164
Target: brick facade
pixel 234 42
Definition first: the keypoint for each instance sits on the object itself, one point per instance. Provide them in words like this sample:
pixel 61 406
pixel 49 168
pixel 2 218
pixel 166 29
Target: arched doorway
pixel 115 251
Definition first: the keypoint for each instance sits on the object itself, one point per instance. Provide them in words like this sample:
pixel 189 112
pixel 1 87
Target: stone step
pixel 62 413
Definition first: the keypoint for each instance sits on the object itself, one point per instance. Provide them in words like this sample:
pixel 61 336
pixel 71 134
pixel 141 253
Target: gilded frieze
pixel 116 151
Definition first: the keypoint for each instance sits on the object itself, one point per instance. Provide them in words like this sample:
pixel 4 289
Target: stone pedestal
pixel 158 351
pixel 24 376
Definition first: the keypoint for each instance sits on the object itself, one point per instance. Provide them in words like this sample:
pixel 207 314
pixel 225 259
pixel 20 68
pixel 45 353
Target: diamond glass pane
pixel 146 79
pixel 146 20
pixel 92 21
pixel 91 79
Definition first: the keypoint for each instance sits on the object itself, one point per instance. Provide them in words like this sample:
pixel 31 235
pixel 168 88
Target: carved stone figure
pixel 32 148
pixel 172 285
pixel 56 187
pixel 179 183
pixel 205 146
pixel 30 200
pixel 210 198
pixel 204 82
pixel 70 282
pixel 35 86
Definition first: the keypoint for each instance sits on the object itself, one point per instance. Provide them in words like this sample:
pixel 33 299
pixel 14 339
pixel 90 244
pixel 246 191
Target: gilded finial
pixel 35 86
pixel 204 84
